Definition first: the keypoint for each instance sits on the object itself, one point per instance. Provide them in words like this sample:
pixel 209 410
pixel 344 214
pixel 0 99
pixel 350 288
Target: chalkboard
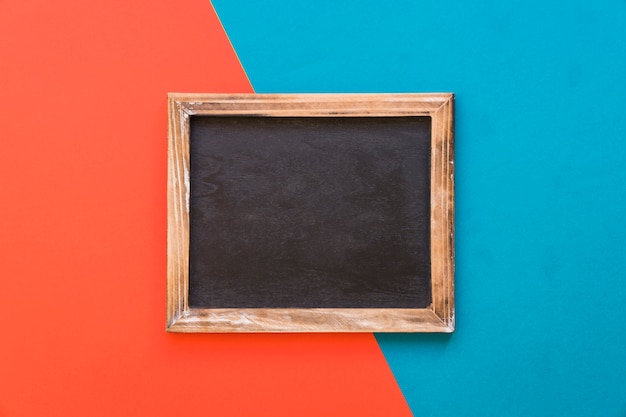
pixel 329 213
pixel 310 213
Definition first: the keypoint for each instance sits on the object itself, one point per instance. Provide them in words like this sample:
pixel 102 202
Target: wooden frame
pixel 438 317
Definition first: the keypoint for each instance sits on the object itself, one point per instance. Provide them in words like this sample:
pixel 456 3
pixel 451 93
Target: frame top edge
pixel 265 96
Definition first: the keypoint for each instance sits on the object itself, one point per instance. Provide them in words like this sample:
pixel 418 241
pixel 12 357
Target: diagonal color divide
pixel 83 114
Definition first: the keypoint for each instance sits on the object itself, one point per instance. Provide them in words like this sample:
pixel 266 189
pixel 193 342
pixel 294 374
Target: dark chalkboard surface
pixel 310 212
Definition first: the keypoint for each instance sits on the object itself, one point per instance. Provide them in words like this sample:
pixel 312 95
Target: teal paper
pixel 540 182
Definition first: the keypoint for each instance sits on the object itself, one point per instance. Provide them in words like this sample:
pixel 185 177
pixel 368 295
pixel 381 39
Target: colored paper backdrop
pixel 540 199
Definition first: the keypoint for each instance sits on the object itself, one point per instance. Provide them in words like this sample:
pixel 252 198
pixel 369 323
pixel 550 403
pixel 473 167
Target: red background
pixel 83 90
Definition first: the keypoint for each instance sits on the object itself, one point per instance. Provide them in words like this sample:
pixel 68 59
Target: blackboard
pixel 310 213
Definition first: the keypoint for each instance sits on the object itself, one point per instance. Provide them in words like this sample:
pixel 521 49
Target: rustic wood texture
pixel 309 320
pixel 438 317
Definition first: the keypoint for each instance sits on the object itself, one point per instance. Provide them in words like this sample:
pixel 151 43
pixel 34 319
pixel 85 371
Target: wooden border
pixel 438 317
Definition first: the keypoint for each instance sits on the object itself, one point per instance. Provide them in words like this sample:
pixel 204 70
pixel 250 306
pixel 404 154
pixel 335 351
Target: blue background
pixel 540 182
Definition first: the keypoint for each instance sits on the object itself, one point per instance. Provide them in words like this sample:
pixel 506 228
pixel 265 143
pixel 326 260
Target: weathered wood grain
pixel 309 320
pixel 439 317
